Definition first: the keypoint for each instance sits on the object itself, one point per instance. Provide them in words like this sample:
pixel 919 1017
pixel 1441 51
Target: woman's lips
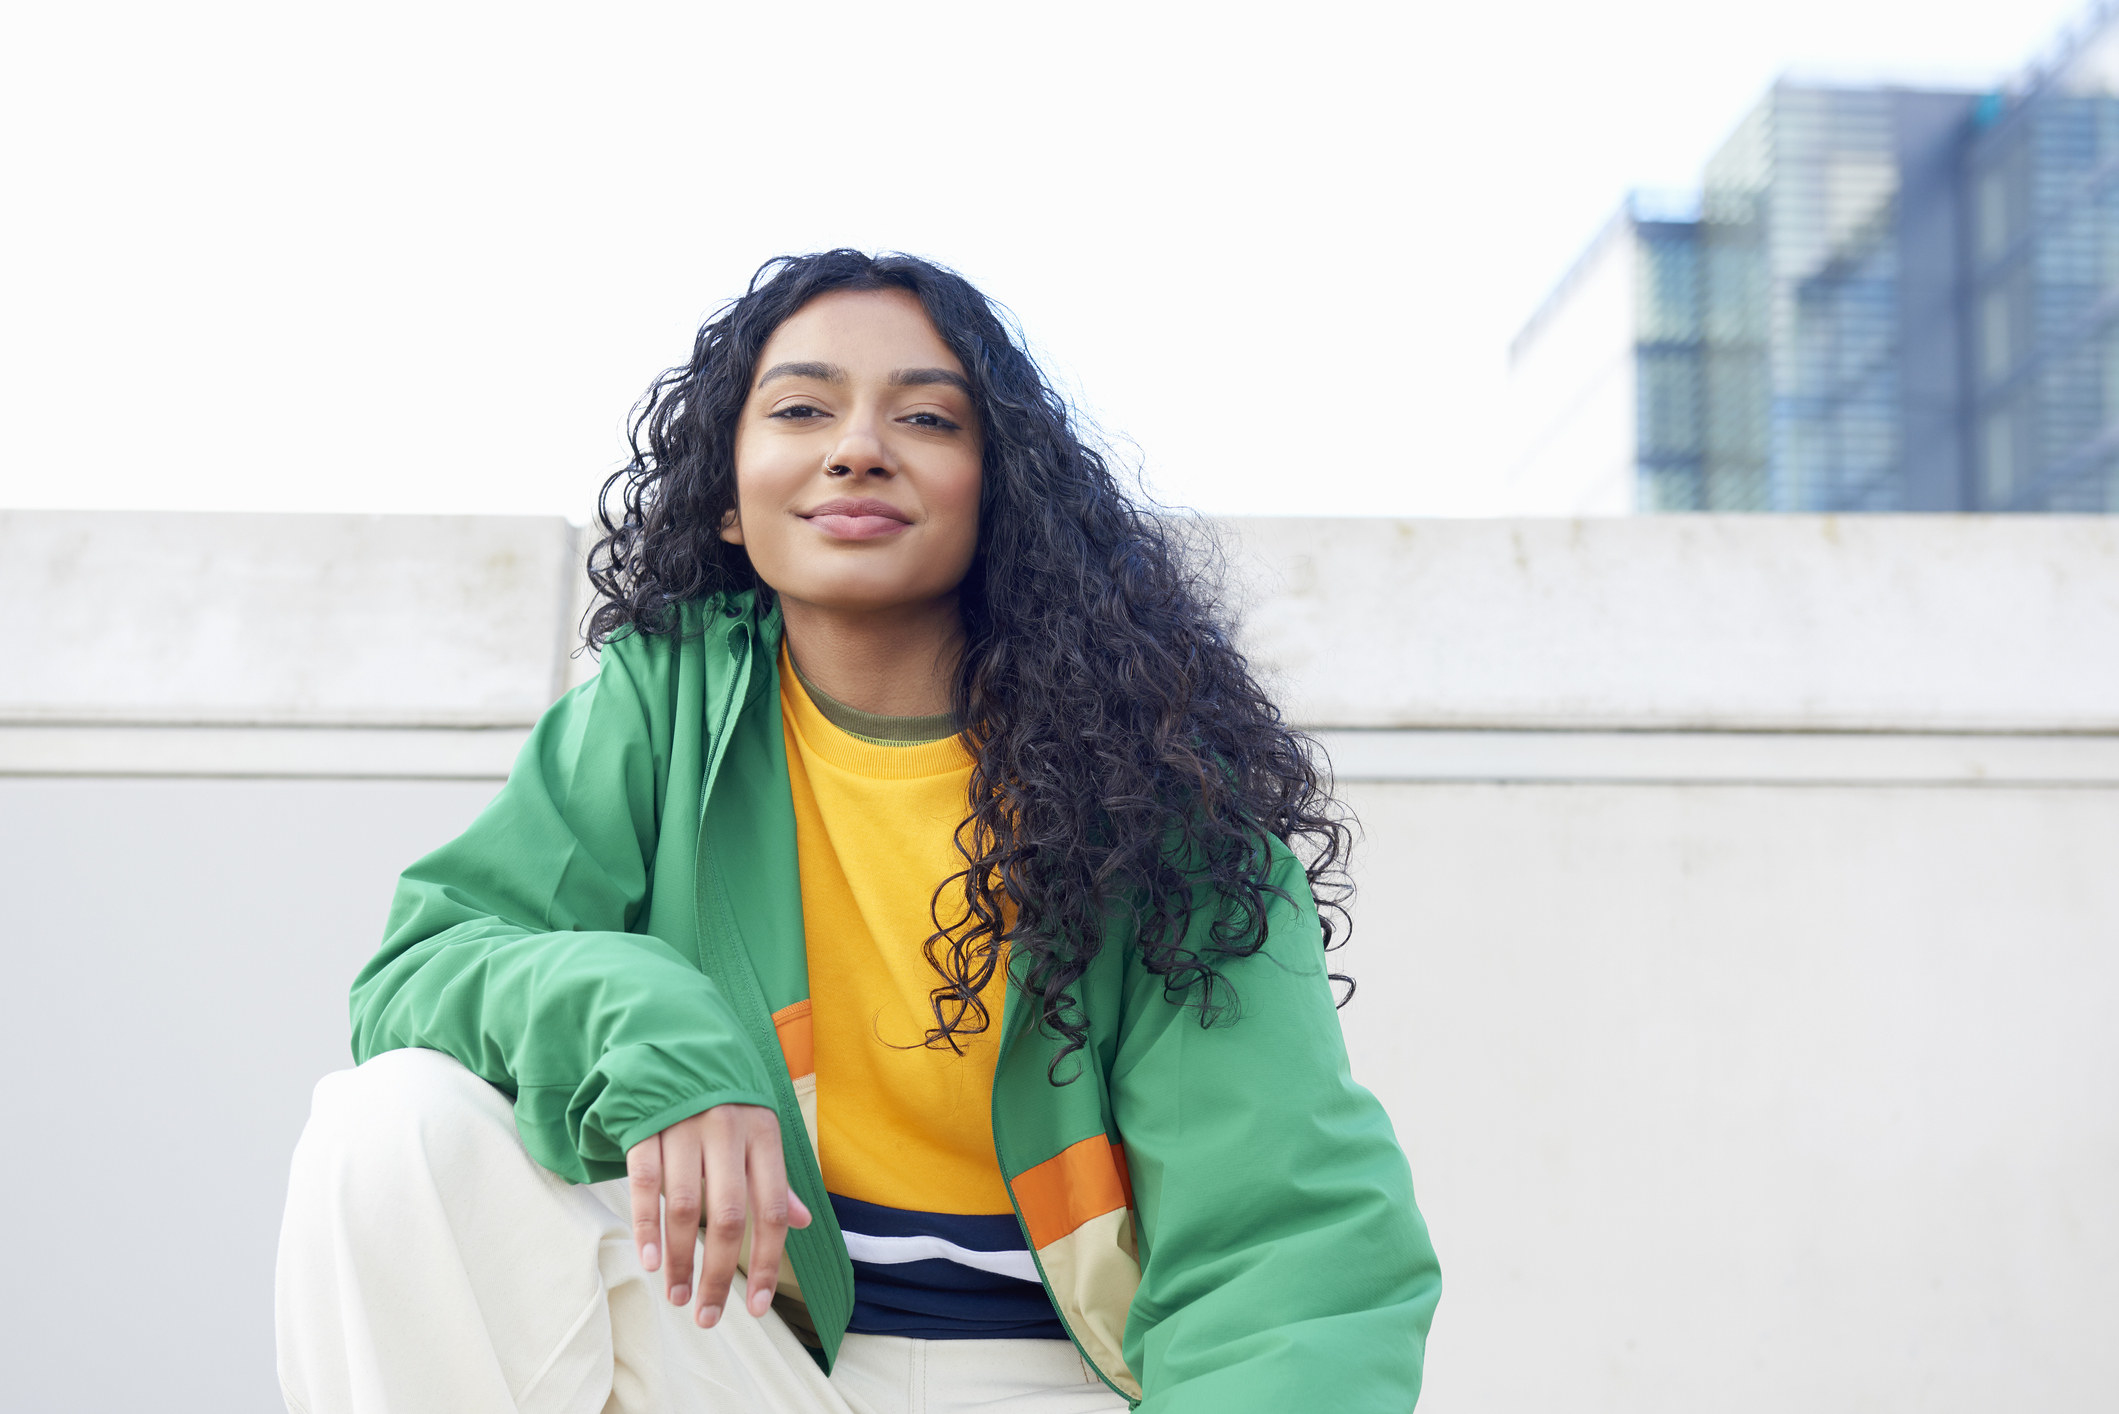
pixel 857 520
pixel 845 527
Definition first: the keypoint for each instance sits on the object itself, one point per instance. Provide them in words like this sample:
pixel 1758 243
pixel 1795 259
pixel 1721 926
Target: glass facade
pixel 1812 237
pixel 1883 300
pixel 2043 289
pixel 1669 396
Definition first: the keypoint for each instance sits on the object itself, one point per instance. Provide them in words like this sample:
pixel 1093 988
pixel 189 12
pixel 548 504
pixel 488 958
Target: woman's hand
pixel 710 1168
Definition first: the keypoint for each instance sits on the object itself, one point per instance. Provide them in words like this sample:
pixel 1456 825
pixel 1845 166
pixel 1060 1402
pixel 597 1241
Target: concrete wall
pixel 1738 939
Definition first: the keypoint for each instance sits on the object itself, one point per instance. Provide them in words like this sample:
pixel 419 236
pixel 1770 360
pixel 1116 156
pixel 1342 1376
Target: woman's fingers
pixel 704 1174
pixel 771 1207
pixel 722 1219
pixel 681 1172
pixel 643 1182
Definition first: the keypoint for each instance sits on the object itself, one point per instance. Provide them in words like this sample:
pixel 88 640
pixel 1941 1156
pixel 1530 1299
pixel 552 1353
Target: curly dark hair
pixel 1125 755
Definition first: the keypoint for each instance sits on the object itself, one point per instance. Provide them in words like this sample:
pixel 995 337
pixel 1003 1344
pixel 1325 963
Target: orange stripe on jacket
pixel 797 1040
pixel 1080 1182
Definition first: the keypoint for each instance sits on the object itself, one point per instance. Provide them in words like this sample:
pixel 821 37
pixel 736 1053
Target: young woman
pixel 912 924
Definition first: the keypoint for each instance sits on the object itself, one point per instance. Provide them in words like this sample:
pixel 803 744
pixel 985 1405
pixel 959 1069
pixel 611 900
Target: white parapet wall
pixel 1694 648
pixel 1738 934
pixel 1682 647
pixel 281 645
pixel 1690 623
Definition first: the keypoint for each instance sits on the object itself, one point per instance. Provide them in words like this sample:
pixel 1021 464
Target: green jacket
pixel 1222 1217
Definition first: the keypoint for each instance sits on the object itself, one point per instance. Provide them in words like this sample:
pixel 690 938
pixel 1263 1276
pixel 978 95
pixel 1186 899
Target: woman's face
pixel 857 458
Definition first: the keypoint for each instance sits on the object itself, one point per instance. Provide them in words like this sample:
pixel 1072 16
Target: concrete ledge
pixel 348 753
pixel 1722 758
pixel 1961 625
pixel 150 618
pixel 1719 623
pixel 1666 758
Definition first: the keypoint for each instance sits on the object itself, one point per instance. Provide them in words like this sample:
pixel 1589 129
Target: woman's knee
pixel 403 1111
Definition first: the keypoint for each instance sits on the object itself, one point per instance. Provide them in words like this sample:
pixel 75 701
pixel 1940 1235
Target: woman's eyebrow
pixel 822 372
pixel 922 377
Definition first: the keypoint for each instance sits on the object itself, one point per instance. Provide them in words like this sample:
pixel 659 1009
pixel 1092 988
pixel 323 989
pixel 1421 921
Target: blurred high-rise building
pixel 1880 299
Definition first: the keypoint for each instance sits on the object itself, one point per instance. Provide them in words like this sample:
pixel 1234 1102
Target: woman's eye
pixel 800 412
pixel 931 419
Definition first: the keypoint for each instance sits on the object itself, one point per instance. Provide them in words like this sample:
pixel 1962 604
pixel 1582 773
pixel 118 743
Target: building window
pixel 1999 467
pixel 1996 356
pixel 2109 421
pixel 1668 408
pixel 1992 220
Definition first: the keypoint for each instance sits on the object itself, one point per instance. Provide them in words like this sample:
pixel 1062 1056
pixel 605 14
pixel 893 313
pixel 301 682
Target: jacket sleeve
pixel 1283 1262
pixel 511 949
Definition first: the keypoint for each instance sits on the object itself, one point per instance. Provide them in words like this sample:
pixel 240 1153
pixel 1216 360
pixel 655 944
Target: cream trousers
pixel 427 1263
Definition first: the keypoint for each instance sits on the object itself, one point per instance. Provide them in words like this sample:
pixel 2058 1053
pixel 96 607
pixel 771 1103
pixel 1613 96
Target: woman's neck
pixel 897 662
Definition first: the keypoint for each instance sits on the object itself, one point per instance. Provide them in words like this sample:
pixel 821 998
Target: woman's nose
pixel 859 452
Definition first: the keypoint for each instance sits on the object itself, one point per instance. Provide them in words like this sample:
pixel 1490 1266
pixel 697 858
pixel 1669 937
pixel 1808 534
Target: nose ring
pixel 830 470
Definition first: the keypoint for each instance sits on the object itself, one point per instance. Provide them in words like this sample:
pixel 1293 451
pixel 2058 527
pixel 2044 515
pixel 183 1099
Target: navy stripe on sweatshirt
pixel 943 1276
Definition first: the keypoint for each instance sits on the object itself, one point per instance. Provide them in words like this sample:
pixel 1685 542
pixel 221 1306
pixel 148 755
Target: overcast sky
pixel 423 257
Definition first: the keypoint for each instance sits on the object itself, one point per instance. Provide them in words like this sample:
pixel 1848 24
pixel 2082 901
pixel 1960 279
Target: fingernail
pixel 679 1294
pixel 709 1314
pixel 651 1256
pixel 760 1302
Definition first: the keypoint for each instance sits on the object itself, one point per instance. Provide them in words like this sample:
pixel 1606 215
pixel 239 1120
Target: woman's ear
pixel 732 527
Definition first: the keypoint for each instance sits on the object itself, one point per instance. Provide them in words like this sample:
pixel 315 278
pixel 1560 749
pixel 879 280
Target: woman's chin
pixel 864 595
